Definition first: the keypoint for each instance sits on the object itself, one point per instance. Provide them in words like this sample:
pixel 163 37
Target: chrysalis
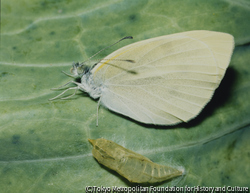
pixel 133 166
pixel 174 76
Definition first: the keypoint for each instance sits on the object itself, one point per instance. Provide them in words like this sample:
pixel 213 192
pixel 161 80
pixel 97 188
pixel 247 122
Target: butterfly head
pixel 78 70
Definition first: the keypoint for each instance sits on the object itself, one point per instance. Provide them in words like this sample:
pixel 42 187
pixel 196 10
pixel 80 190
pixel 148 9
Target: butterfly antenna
pixel 127 37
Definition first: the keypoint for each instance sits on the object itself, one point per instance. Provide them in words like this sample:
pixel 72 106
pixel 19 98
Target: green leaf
pixel 43 144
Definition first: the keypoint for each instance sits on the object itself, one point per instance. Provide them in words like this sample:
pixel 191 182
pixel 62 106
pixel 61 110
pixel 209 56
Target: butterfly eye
pixel 79 69
pixel 73 70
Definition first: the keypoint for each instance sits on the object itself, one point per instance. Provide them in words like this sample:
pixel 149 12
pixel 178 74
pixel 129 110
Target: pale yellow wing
pixel 172 79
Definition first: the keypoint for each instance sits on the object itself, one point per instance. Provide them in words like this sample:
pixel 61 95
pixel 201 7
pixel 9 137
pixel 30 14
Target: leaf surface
pixel 43 144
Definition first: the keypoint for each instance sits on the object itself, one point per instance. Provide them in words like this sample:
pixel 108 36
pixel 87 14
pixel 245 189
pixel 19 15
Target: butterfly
pixel 164 80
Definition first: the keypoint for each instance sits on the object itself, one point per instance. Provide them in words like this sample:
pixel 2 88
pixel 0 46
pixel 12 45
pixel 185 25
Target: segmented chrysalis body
pixel 133 166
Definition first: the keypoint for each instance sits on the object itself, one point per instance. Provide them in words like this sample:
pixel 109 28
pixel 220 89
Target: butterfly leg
pixel 76 88
pixel 65 85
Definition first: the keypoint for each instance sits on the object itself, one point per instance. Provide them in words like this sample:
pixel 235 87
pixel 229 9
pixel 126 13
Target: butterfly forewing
pixel 172 79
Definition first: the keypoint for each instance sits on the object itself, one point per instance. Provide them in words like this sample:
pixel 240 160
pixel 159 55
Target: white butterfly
pixel 172 79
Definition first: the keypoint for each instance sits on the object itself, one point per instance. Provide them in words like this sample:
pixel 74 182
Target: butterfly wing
pixel 172 79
